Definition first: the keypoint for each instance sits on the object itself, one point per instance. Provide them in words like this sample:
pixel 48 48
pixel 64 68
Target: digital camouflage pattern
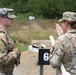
pixel 6 45
pixel 70 16
pixel 64 51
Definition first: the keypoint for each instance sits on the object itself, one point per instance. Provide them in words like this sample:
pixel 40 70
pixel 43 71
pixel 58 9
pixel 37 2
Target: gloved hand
pixel 17 51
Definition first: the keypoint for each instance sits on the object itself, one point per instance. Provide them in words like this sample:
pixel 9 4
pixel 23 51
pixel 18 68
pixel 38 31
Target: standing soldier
pixel 64 50
pixel 9 54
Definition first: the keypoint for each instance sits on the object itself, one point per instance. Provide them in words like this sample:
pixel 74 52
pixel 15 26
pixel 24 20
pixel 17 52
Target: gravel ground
pixel 29 65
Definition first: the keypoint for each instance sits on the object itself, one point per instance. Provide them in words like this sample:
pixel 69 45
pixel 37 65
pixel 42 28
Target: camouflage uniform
pixel 7 47
pixel 64 51
pixel 6 65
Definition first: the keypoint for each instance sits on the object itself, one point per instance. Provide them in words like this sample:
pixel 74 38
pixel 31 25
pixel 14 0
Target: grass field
pixel 24 31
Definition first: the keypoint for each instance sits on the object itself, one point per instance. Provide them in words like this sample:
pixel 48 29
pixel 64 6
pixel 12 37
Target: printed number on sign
pixel 46 56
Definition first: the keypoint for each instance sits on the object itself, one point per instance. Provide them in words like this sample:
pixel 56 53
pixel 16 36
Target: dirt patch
pixel 29 65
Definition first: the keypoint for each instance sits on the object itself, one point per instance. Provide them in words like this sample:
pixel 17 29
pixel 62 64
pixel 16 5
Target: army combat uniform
pixel 64 51
pixel 7 46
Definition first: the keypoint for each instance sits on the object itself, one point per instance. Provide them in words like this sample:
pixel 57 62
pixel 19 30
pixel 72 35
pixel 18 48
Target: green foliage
pixel 41 8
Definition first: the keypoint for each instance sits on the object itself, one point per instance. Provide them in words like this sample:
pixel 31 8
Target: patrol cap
pixel 6 12
pixel 69 16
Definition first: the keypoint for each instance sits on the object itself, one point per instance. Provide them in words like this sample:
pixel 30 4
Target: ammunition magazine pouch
pixel 67 58
pixel 8 68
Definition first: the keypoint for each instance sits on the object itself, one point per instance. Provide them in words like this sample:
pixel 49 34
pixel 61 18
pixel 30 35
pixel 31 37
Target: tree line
pixel 49 9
